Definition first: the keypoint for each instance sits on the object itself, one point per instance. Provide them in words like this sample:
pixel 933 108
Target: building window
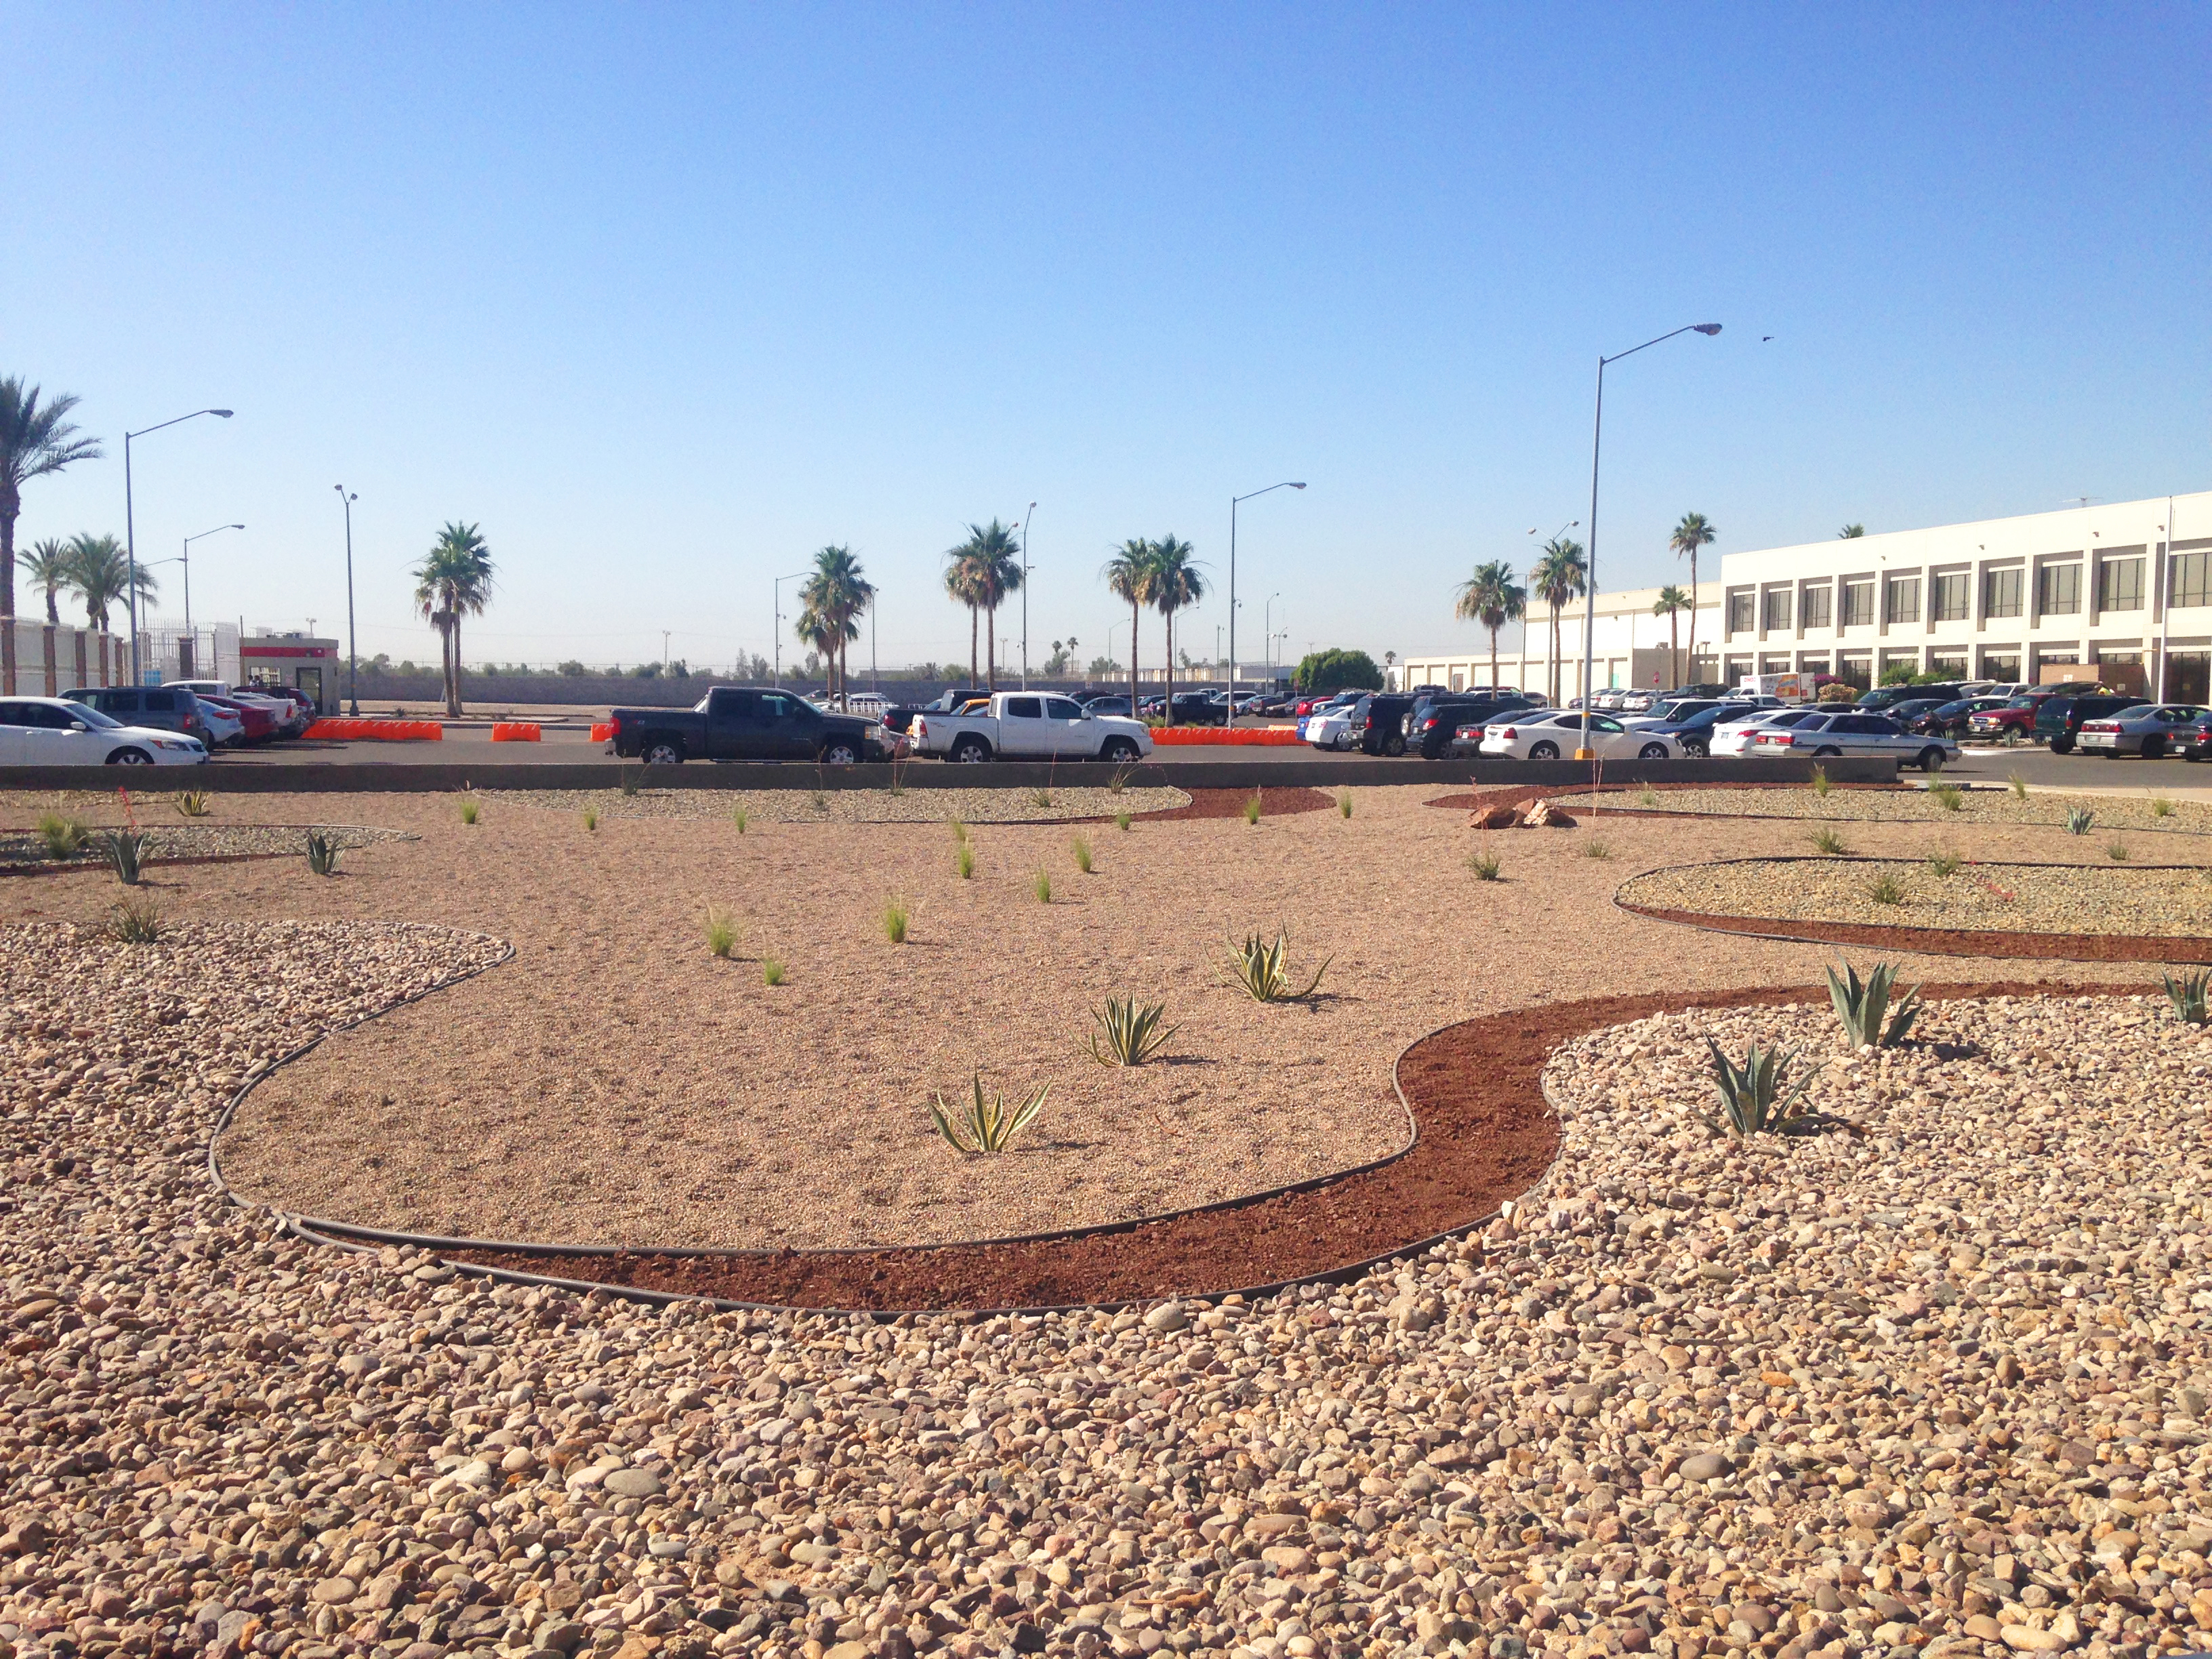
pixel 1951 664
pixel 2058 591
pixel 2186 676
pixel 1858 605
pixel 1738 667
pixel 2047 660
pixel 1906 659
pixel 1777 611
pixel 1856 668
pixel 2119 585
pixel 1458 680
pixel 1816 605
pixel 1903 604
pixel 1777 662
pixel 2001 592
pixel 2190 575
pixel 1738 613
pixel 2001 665
pixel 1949 597
pixel 1815 665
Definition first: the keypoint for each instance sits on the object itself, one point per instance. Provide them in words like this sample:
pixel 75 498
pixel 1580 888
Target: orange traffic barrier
pixel 350 731
pixel 514 731
pixel 603 731
pixel 1265 735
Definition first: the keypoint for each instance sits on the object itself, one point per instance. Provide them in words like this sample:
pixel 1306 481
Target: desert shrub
pixel 1040 797
pixel 1120 820
pixel 1252 808
pixel 1263 970
pixel 1752 1098
pixel 1863 1004
pixel 741 819
pixel 1119 781
pixel 1486 865
pixel 1820 784
pixel 135 921
pixel 2189 995
pixel 2160 807
pixel 471 807
pixel 1080 846
pixel 964 860
pixel 193 803
pixel 989 1126
pixel 771 971
pixel 1647 796
pixel 2018 784
pixel 126 852
pixel 722 930
pixel 1886 890
pixel 1944 865
pixel 1597 848
pixel 322 854
pixel 591 818
pixel 1828 839
pixel 1132 1031
pixel 64 838
pixel 1344 802
pixel 1041 885
pixel 896 915
pixel 1949 796
pixel 626 781
pixel 2116 850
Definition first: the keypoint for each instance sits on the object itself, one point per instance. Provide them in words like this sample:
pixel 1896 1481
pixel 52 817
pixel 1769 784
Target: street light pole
pixel 186 559
pixel 352 639
pixel 1026 517
pixel 775 643
pixel 1590 575
pixel 1267 621
pixel 130 526
pixel 1233 499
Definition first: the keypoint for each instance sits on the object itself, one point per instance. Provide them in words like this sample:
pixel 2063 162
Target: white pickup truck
pixel 1030 726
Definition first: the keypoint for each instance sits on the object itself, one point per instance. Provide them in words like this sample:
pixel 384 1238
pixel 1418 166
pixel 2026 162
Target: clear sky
pixel 663 297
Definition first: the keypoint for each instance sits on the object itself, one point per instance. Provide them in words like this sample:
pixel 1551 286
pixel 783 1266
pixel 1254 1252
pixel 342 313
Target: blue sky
pixel 665 298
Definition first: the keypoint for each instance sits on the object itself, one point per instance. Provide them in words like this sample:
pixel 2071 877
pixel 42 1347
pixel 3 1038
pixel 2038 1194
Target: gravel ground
pixel 1978 806
pixel 1937 1391
pixel 2054 898
pixel 1063 803
pixel 203 840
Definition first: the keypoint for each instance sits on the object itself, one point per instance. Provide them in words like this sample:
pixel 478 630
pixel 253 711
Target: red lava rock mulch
pixel 1945 941
pixel 1485 1134
pixel 1230 803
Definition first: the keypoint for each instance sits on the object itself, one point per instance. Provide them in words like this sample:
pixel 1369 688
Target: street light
pixel 186 559
pixel 1267 642
pixel 1026 517
pixel 1233 499
pixel 130 526
pixel 776 644
pixel 353 653
pixel 1590 576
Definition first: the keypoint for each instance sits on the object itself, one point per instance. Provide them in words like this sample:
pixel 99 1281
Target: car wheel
pixel 1119 751
pixel 1695 748
pixel 1394 746
pixel 1829 753
pixel 1652 751
pixel 2061 745
pixel 130 757
pixel 1544 751
pixel 1930 759
pixel 2153 749
pixel 662 752
pixel 839 752
pixel 970 750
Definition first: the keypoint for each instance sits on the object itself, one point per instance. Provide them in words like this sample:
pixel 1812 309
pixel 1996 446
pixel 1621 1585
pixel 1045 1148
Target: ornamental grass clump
pixel 2160 807
pixel 1828 838
pixel 1487 865
pixel 193 803
pixel 626 781
pixel 2018 784
pixel 2078 820
pixel 135 921
pixel 1886 890
pixel 1252 808
pixel 964 860
pixel 126 852
pixel 739 817
pixel 895 916
pixel 64 838
pixel 591 818
pixel 1820 784
pixel 2189 995
pixel 1344 802
pixel 1041 885
pixel 1597 848
pixel 1263 970
pixel 1944 864
pixel 989 1126
pixel 471 807
pixel 1949 796
pixel 1752 1098
pixel 1862 1005
pixel 1040 798
pixel 1132 1031
pixel 322 854
pixel 771 971
pixel 722 930
pixel 1120 820
pixel 2116 850
pixel 1080 846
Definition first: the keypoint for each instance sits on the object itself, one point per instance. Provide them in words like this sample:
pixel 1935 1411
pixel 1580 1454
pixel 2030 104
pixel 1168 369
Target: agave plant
pixel 1131 1029
pixel 1861 1004
pixel 1263 970
pixel 126 851
pixel 322 854
pixel 990 1125
pixel 1752 1098
pixel 2189 995
pixel 2078 820
pixel 193 803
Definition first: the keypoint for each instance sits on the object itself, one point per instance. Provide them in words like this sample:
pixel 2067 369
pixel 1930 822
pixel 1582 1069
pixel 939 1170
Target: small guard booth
pixel 297 660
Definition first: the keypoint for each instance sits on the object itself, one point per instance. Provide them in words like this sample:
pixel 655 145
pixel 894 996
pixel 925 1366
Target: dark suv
pixel 1883 698
pixel 2058 720
pixel 1378 722
pixel 167 707
pixel 1435 722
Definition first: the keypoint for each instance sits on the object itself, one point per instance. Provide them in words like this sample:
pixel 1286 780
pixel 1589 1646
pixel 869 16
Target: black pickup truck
pixel 745 722
pixel 900 717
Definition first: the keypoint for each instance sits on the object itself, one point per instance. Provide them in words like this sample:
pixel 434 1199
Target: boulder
pixel 1493 817
pixel 1542 814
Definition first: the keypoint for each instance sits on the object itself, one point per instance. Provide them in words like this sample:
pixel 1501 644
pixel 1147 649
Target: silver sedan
pixel 2148 729
pixel 1852 732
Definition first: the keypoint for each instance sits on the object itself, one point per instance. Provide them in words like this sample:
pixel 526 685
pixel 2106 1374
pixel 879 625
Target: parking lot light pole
pixel 1026 517
pixel 353 653
pixel 1233 501
pixel 775 643
pixel 1590 571
pixel 130 526
pixel 186 559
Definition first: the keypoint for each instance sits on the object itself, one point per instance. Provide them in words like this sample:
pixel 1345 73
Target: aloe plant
pixel 1263 970
pixel 1862 1004
pixel 1132 1031
pixel 990 1126
pixel 1752 1098
pixel 2189 995
pixel 322 854
pixel 126 851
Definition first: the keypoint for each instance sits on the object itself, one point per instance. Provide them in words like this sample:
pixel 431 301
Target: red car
pixel 260 726
pixel 2018 715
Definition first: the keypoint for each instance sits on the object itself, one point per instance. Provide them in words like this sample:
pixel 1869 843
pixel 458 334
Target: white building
pixel 2123 582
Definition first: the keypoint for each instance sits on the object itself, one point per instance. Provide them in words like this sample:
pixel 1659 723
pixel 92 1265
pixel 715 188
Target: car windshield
pixel 92 718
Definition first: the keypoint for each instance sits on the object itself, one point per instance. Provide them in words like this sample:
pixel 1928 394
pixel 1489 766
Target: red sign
pixel 286 651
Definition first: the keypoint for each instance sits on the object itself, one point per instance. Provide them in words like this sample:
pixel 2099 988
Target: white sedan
pixel 1328 728
pixel 1735 736
pixel 53 731
pixel 1552 735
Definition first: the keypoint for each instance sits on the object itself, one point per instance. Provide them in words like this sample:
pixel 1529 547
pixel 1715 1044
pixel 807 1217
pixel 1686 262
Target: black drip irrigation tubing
pixel 56 867
pixel 348 1236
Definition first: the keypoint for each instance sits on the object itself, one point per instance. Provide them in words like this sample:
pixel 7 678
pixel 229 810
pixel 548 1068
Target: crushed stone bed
pixel 1979 805
pixel 1908 1391
pixel 913 805
pixel 2022 898
pixel 199 841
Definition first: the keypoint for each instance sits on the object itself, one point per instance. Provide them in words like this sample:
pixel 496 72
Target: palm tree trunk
pixel 1694 612
pixel 1493 661
pixel 1167 658
pixel 991 654
pixel 1134 713
pixel 1674 643
pixel 972 670
pixel 1555 656
pixel 9 508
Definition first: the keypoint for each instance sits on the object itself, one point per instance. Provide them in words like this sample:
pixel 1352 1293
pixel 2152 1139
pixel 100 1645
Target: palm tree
pixel 1851 533
pixel 1175 583
pixel 1557 577
pixel 1494 598
pixel 453 579
pixel 1692 533
pixel 960 586
pixel 837 592
pixel 1671 599
pixel 48 570
pixel 1129 579
pixel 99 570
pixel 826 634
pixel 36 440
pixel 985 569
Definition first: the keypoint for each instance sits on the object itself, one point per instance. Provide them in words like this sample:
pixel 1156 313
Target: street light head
pixel 225 413
pixel 1708 328
pixel 1297 486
